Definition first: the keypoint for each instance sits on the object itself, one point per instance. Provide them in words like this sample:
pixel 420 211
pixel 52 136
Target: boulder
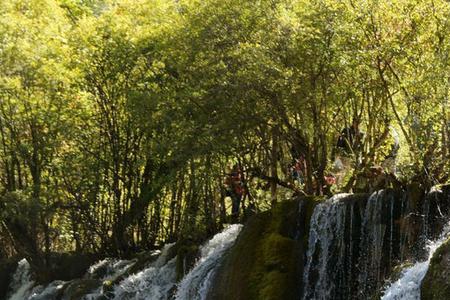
pixel 436 284
pixel 78 288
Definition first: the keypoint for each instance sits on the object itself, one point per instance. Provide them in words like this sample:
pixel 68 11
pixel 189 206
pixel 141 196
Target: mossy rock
pixel 67 266
pixel 267 258
pixel 78 288
pixel 187 255
pixel 436 284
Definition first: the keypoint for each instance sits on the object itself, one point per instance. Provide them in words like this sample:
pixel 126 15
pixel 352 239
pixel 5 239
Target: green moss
pixel 273 273
pixel 436 284
pixel 266 260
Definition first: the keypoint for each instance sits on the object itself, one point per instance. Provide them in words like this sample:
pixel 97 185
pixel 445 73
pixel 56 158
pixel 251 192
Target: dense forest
pixel 121 120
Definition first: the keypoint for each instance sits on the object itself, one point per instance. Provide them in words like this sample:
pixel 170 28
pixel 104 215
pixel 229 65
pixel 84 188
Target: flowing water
pixel 154 282
pixel 407 287
pixel 21 283
pixel 157 281
pixel 353 245
pixel 109 268
pixel 195 285
pixel 47 293
pixel 324 256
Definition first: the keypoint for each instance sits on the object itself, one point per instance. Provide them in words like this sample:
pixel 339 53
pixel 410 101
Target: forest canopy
pixel 120 119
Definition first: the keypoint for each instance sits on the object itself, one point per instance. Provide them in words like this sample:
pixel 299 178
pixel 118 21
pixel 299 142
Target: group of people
pixel 350 144
pixel 348 148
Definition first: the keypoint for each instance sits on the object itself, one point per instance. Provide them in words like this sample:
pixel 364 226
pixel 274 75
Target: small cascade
pixel 154 282
pixel 196 284
pixel 22 283
pixel 157 281
pixel 109 268
pixel 436 209
pixel 25 287
pixel 407 287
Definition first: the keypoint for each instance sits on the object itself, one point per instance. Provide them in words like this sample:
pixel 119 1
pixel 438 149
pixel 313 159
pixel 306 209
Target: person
pixel 348 145
pixel 235 189
pixel 329 180
pixel 390 160
pixel 299 169
pixel 350 139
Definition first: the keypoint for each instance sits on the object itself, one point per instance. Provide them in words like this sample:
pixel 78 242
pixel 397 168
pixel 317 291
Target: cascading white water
pixel 372 237
pixel 106 269
pixel 47 293
pixel 407 287
pixel 24 287
pixel 157 281
pixel 154 282
pixel 350 246
pixel 109 268
pixel 22 283
pixel 326 234
pixel 196 284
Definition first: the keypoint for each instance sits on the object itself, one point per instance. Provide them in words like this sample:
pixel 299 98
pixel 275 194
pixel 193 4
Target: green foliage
pixel 119 119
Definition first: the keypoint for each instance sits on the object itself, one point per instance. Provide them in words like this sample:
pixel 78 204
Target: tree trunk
pixel 274 164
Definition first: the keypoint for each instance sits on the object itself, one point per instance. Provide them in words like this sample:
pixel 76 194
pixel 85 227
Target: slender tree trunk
pixel 274 164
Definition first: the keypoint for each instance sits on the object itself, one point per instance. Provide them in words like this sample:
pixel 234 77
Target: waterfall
pixel 407 287
pixel 109 268
pixel 195 285
pixel 372 237
pixel 353 242
pixel 159 280
pixel 22 283
pixel 325 266
pixel 155 282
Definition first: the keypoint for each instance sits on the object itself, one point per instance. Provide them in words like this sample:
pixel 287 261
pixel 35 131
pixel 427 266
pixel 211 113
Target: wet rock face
pixel 436 284
pixel 436 209
pixel 187 255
